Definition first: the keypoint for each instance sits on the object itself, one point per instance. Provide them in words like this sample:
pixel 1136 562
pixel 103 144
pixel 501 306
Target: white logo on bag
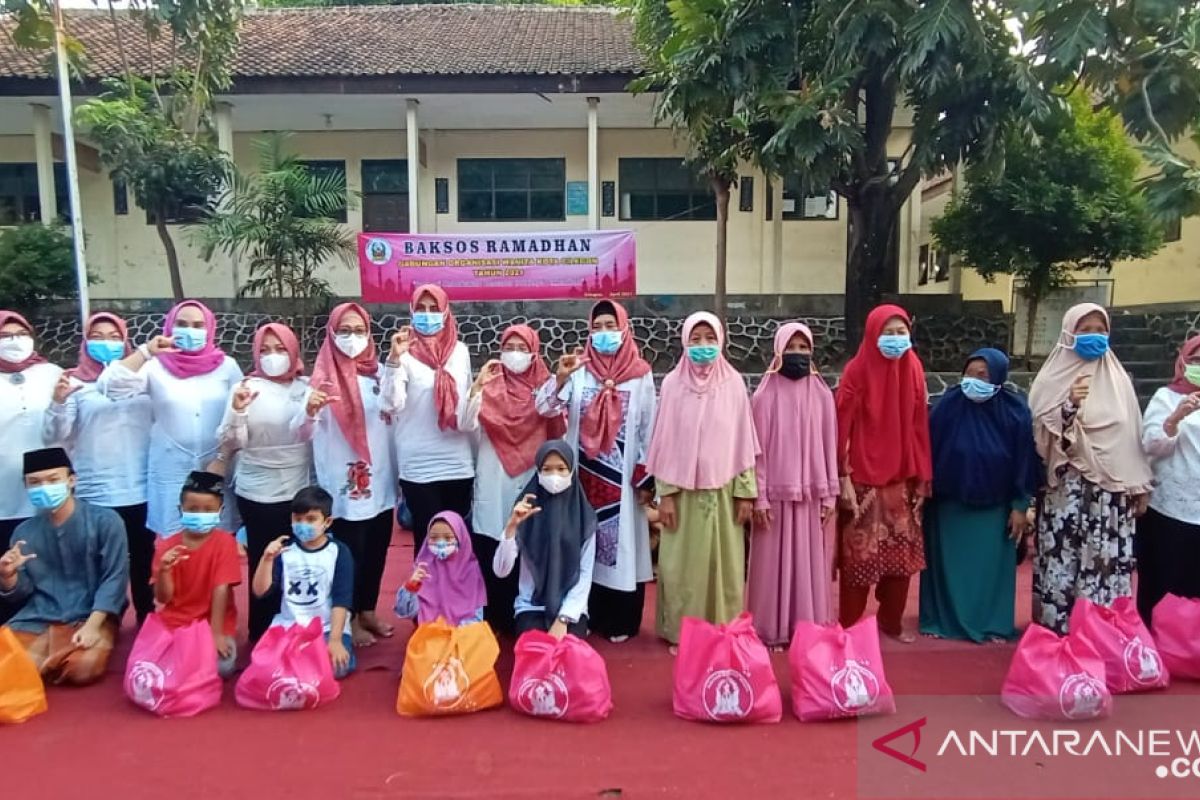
pixel 144 684
pixel 289 694
pixel 1142 662
pixel 447 686
pixel 1081 696
pixel 727 695
pixel 854 687
pixel 544 697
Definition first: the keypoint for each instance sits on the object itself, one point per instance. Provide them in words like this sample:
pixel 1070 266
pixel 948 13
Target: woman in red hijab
pixel 352 451
pixel 509 429
pixel 428 382
pixel 275 458
pixel 886 468
pixel 608 393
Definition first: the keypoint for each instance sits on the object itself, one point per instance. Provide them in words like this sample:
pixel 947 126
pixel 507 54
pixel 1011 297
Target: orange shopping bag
pixel 22 693
pixel 449 670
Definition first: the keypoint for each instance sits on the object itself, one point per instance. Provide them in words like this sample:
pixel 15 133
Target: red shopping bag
pixel 172 672
pixel 838 672
pixel 1176 624
pixel 559 679
pixel 1053 677
pixel 723 674
pixel 289 670
pixel 1117 633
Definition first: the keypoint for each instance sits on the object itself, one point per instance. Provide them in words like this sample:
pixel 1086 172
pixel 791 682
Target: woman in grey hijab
pixel 553 528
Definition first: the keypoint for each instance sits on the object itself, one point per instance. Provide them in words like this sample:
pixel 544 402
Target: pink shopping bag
pixel 172 672
pixel 1053 677
pixel 559 679
pixel 1117 633
pixel 1176 624
pixel 723 674
pixel 838 672
pixel 289 670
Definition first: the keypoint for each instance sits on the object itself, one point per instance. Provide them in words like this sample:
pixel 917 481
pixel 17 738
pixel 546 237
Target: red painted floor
pixel 93 740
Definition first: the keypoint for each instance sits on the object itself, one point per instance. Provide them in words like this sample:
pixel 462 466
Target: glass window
pixel 801 202
pixel 511 189
pixel 19 200
pixel 322 169
pixel 184 209
pixel 385 195
pixel 663 189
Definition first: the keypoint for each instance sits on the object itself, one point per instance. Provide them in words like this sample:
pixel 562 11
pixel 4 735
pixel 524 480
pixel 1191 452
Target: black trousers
pixel 264 523
pixel 536 621
pixel 141 557
pixel 613 613
pixel 1168 560
pixel 426 500
pixel 501 592
pixel 7 526
pixel 368 540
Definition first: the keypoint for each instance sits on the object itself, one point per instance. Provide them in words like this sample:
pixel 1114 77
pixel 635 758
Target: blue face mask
pixel 306 532
pixel 606 342
pixel 442 550
pixel 190 340
pixel 978 390
pixel 703 354
pixel 48 496
pixel 1090 346
pixel 427 323
pixel 894 345
pixel 105 351
pixel 199 521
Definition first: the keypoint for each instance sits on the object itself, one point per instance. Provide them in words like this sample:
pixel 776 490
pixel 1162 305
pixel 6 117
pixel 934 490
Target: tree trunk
pixel 871 260
pixel 721 191
pixel 1031 320
pixel 168 244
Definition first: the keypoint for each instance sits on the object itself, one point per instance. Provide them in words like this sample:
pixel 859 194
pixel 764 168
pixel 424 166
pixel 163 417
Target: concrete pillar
pixel 413 159
pixel 593 123
pixel 223 118
pixel 43 135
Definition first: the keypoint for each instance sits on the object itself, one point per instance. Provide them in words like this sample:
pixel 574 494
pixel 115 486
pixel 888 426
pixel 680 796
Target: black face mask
pixel 795 366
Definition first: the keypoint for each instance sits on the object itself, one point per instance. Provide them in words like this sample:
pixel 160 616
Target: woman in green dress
pixel 702 456
pixel 985 472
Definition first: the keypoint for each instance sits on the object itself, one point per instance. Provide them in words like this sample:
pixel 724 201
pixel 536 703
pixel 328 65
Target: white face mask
pixel 275 364
pixel 16 349
pixel 553 482
pixel 352 344
pixel 515 361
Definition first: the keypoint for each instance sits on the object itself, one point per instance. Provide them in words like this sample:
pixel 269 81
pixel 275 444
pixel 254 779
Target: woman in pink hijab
pixel 790 558
pixel 188 378
pixel 702 456
pixel 1087 425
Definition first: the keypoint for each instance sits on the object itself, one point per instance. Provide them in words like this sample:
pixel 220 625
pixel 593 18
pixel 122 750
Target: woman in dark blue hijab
pixel 985 473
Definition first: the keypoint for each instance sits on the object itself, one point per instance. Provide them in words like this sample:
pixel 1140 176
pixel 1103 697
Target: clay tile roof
pixel 364 41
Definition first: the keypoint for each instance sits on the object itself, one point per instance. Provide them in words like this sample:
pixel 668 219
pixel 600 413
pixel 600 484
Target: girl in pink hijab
pixel 790 557
pixel 1087 426
pixel 702 456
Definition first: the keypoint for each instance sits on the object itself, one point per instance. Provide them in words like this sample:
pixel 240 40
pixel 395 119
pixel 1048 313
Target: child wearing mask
pixel 315 572
pixel 446 582
pixel 194 571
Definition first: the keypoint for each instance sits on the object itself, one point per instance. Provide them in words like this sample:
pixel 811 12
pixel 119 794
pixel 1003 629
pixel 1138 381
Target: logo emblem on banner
pixel 379 251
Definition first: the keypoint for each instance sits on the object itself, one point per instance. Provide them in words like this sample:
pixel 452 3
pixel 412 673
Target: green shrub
pixel 37 266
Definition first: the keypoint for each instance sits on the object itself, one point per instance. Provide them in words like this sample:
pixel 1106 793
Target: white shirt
pixel 1174 459
pixel 187 412
pixel 623 550
pixel 573 606
pixel 24 398
pixel 424 452
pixel 496 492
pixel 274 455
pixel 109 443
pixel 360 491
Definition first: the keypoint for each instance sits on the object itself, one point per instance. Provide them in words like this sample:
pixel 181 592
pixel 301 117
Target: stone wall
pixel 943 340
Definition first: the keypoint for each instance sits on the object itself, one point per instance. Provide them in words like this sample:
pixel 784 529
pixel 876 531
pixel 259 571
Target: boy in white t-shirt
pixel 315 574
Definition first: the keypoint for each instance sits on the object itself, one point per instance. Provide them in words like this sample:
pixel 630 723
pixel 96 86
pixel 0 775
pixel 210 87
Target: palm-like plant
pixel 281 220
